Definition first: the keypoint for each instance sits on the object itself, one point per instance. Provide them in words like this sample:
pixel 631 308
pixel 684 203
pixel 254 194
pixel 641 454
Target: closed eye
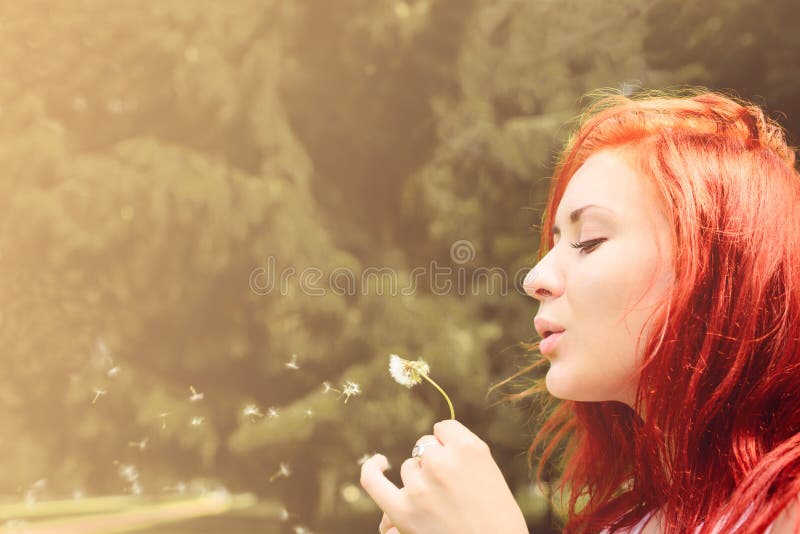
pixel 588 246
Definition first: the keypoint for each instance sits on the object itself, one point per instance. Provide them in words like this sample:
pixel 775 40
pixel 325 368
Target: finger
pixel 385 524
pixel 393 530
pixel 450 430
pixel 410 472
pixel 385 494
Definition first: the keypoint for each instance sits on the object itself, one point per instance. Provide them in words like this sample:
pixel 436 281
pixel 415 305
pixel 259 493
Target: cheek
pixel 611 301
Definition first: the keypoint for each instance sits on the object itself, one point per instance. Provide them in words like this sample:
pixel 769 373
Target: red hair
pixel 720 377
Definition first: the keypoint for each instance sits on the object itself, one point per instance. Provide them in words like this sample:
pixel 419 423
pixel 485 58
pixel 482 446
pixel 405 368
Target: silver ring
pixel 419 449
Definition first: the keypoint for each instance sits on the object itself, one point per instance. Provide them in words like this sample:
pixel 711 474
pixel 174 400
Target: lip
pixel 543 326
pixel 548 344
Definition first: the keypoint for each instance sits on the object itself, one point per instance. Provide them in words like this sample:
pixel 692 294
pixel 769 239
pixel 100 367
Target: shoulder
pixel 788 522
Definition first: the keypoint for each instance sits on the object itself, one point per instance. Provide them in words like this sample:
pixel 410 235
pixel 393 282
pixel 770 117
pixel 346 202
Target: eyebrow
pixel 576 214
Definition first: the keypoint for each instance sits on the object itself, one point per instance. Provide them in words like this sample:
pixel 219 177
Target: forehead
pixel 607 179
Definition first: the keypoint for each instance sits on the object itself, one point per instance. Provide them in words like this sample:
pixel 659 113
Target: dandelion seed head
pixel 273 412
pixel 406 372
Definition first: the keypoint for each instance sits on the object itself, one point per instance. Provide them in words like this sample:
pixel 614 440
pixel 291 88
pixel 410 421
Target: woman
pixel 668 284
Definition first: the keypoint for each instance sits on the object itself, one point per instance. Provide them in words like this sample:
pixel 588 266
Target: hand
pixel 456 488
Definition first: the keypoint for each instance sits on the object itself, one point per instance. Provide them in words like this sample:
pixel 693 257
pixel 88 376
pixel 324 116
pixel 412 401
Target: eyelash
pixel 586 245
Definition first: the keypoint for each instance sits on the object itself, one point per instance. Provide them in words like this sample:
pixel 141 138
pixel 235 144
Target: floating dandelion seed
pixel 273 412
pixel 327 388
pixel 299 529
pixel 283 471
pixel 292 364
pixel 97 394
pixel 78 494
pixel 32 495
pixel 410 373
pixel 349 389
pixel 163 417
pixel 129 472
pixel 252 412
pixel 309 413
pixel 284 515
pixel 180 488
pixel 197 421
pixel 141 444
pixel 114 371
pixel 364 458
pixel 136 488
pixel 195 395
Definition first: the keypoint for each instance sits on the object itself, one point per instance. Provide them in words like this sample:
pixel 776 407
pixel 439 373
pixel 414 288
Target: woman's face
pixel 601 296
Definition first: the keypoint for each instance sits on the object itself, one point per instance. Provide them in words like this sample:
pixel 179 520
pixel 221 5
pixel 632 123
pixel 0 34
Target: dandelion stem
pixel 450 404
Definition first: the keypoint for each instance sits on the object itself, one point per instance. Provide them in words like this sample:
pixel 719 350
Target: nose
pixel 542 283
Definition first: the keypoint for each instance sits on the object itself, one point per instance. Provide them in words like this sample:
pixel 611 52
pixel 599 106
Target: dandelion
pixel 97 394
pixel 252 412
pixel 409 374
pixel 349 389
pixel 283 471
pixel 195 395
pixel 273 412
pixel 292 364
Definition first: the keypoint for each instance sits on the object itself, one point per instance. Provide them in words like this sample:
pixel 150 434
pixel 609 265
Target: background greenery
pixel 155 155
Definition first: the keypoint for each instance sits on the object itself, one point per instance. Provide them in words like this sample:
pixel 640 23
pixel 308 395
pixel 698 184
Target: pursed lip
pixel 545 327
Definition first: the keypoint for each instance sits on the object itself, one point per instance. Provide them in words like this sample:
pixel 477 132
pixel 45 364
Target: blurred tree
pixel 751 48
